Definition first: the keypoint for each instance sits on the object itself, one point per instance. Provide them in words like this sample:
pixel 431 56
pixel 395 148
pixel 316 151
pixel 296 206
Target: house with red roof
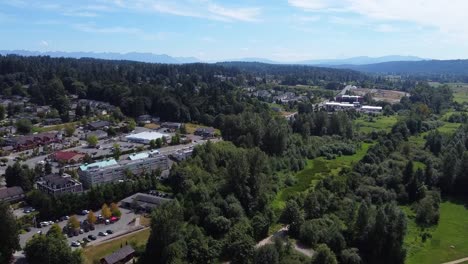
pixel 68 157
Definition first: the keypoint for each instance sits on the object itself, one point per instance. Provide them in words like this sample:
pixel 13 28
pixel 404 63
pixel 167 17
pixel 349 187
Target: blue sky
pixel 283 30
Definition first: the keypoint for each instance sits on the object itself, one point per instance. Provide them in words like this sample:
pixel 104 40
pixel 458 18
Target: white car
pixel 75 244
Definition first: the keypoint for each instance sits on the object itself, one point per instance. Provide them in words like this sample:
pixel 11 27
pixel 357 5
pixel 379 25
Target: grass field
pixel 449 238
pixel 447 128
pixel 367 124
pixel 93 254
pixel 316 170
pixel 190 127
pixel 53 127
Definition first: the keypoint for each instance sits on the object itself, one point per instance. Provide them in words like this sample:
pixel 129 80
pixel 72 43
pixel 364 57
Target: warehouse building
pixel 146 137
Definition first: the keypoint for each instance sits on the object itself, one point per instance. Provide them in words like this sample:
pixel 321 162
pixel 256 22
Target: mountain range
pixel 131 56
pixel 163 58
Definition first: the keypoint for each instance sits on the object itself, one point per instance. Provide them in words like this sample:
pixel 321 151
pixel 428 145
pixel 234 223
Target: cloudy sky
pixel 284 30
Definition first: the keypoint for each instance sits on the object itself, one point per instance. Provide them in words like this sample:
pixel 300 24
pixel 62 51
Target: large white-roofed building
pixel 146 137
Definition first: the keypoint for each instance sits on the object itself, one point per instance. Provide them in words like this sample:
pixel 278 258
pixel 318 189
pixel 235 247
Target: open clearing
pixel 449 238
pixel 390 96
pixel 93 254
pixel 316 170
pixel 368 124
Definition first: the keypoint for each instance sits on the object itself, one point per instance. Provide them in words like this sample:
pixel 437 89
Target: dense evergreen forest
pixel 437 70
pixel 224 193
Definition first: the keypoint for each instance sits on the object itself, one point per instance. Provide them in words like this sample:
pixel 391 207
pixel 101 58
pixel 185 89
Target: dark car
pixel 109 232
pixel 92 237
pixel 91 227
pixel 85 239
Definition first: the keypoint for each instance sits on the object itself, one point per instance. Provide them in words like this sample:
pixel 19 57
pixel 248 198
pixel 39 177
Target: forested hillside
pixel 190 92
pixel 442 70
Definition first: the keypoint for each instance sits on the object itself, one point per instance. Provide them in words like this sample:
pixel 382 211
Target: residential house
pixel 171 125
pixel 56 185
pixel 101 124
pixel 33 141
pixel 11 194
pixel 205 132
pixel 68 157
pixel 100 134
pixel 121 256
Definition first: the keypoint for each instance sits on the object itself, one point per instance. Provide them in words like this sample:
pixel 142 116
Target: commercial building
pixel 56 185
pixel 108 171
pixel 143 202
pixel 349 98
pixel 330 106
pixel 101 172
pixel 371 109
pixel 11 194
pixel 145 137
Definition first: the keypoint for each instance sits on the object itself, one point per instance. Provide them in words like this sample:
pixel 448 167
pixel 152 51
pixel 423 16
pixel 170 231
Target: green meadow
pixel 448 239
pixel 315 170
pixel 368 124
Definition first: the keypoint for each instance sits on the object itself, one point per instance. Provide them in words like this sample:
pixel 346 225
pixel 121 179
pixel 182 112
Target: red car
pixel 113 219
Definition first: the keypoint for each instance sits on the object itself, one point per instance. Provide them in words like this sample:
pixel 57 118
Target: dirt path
pixel 283 232
pixel 457 261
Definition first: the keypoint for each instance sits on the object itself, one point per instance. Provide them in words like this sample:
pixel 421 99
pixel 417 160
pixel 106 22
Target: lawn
pixel 449 238
pixel 93 254
pixel 368 124
pixel 316 170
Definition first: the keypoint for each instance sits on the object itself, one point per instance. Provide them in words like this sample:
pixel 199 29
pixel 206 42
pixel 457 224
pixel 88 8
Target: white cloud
pixel 386 28
pixel 205 9
pixel 44 43
pixel 447 17
pixel 91 28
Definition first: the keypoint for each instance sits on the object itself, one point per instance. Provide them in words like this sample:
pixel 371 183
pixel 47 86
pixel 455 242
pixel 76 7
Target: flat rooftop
pixel 99 164
pixel 149 135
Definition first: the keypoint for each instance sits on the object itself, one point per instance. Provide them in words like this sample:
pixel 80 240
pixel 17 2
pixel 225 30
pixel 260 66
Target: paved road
pixel 124 225
pixel 463 260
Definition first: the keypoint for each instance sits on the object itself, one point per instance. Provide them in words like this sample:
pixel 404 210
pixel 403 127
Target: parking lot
pixel 125 224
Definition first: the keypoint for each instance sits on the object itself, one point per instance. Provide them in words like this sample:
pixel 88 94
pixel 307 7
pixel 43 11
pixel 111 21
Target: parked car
pixel 107 222
pixel 84 212
pixel 92 237
pixel 81 231
pixel 86 240
pixel 102 234
pixel 75 244
pixel 110 232
pixel 91 227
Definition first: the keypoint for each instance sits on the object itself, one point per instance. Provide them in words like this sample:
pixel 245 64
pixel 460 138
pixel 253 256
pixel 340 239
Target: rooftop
pixel 137 156
pixel 10 192
pixel 147 136
pixel 119 255
pixel 99 164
